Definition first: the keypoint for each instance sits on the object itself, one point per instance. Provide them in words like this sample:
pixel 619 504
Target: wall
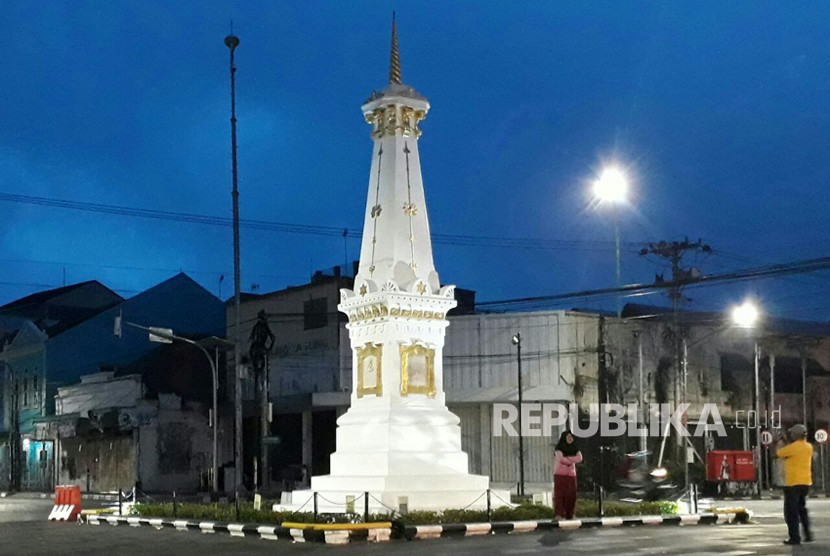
pixel 175 451
pixel 98 462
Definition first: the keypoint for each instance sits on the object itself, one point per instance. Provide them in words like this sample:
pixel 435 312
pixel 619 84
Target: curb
pixel 412 532
pixel 417 532
pixel 269 532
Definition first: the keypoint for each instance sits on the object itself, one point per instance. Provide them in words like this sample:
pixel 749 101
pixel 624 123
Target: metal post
pixel 617 252
pixel 602 394
pixel 771 387
pixel 120 502
pixel 366 507
pixel 215 466
pixel 231 41
pixel 641 393
pixel 686 414
pixel 175 507
pixel 315 506
pixel 265 423
pixel 518 341
pixel 823 481
pixel 757 428
pixel 804 388
pixel 490 507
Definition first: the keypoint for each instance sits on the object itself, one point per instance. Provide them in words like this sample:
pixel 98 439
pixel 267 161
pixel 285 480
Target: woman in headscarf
pixel 567 455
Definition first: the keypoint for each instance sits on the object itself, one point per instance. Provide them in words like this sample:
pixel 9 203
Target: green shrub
pixel 588 508
pixel 525 511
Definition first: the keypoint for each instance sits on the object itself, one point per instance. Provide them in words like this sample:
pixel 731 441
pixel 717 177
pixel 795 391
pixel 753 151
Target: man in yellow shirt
pixel 798 476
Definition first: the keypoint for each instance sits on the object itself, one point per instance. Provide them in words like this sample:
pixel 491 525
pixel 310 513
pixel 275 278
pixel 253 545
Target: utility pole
pixel 602 394
pixel 231 41
pixel 266 428
pixel 673 252
pixel 517 341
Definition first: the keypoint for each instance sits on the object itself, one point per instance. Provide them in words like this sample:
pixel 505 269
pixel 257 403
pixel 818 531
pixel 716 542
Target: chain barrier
pixel 493 493
pixel 372 496
pixel 298 510
pixel 324 499
pixel 474 501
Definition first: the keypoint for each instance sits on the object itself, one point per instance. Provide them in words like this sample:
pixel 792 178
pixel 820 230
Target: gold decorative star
pixel 363 290
pixel 422 288
pixel 410 209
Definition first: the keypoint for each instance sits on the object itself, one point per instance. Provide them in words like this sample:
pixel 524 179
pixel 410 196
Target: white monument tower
pixel 398 440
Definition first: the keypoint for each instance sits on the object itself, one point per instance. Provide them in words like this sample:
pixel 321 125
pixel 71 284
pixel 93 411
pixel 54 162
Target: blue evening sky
pixel 717 110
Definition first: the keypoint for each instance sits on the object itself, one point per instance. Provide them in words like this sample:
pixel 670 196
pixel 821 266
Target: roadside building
pixel 53 338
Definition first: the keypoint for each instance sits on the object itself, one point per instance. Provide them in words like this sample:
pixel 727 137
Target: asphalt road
pixel 24 530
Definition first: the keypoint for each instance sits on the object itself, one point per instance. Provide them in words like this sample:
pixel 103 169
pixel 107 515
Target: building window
pixel 25 392
pixel 35 392
pixel 315 313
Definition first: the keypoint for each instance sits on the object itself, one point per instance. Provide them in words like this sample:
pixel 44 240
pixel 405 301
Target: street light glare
pixel 745 315
pixel 611 186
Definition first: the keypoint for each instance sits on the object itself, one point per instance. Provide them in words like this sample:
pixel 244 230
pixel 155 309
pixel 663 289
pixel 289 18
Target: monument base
pixel 336 494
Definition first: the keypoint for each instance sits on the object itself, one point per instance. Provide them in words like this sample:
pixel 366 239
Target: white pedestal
pixel 409 458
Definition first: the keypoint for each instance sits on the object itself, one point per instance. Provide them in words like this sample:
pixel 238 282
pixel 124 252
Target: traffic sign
pixel 766 438
pixel 821 436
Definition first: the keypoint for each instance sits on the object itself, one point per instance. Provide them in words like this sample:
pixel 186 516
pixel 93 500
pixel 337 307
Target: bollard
pixel 601 494
pixel 489 507
pixel 236 503
pixel 120 502
pixel 175 508
pixel 695 497
pixel 315 507
pixel 366 507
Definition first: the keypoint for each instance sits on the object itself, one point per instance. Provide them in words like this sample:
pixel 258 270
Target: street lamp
pixel 517 341
pixel 165 335
pixel 747 316
pixel 612 188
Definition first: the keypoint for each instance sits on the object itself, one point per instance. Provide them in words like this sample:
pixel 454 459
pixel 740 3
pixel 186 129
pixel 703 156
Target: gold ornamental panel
pixel 417 370
pixel 369 376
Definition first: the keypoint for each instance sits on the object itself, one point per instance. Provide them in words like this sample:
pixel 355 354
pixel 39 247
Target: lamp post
pixel 165 335
pixel 747 316
pixel 517 341
pixel 232 41
pixel 612 188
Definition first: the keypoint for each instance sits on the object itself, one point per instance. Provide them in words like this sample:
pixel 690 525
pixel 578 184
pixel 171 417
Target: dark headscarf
pixel 567 450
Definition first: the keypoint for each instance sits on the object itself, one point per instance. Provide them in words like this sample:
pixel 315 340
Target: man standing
pixel 798 476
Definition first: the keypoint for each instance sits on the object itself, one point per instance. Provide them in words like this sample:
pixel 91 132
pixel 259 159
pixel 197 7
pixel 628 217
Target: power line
pixel 307 229
pixel 797 267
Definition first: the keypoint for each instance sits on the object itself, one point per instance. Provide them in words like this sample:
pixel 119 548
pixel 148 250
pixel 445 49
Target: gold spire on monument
pixel 394 58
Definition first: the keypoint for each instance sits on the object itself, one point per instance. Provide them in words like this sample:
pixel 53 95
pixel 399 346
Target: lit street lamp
pixel 747 316
pixel 517 341
pixel 612 187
